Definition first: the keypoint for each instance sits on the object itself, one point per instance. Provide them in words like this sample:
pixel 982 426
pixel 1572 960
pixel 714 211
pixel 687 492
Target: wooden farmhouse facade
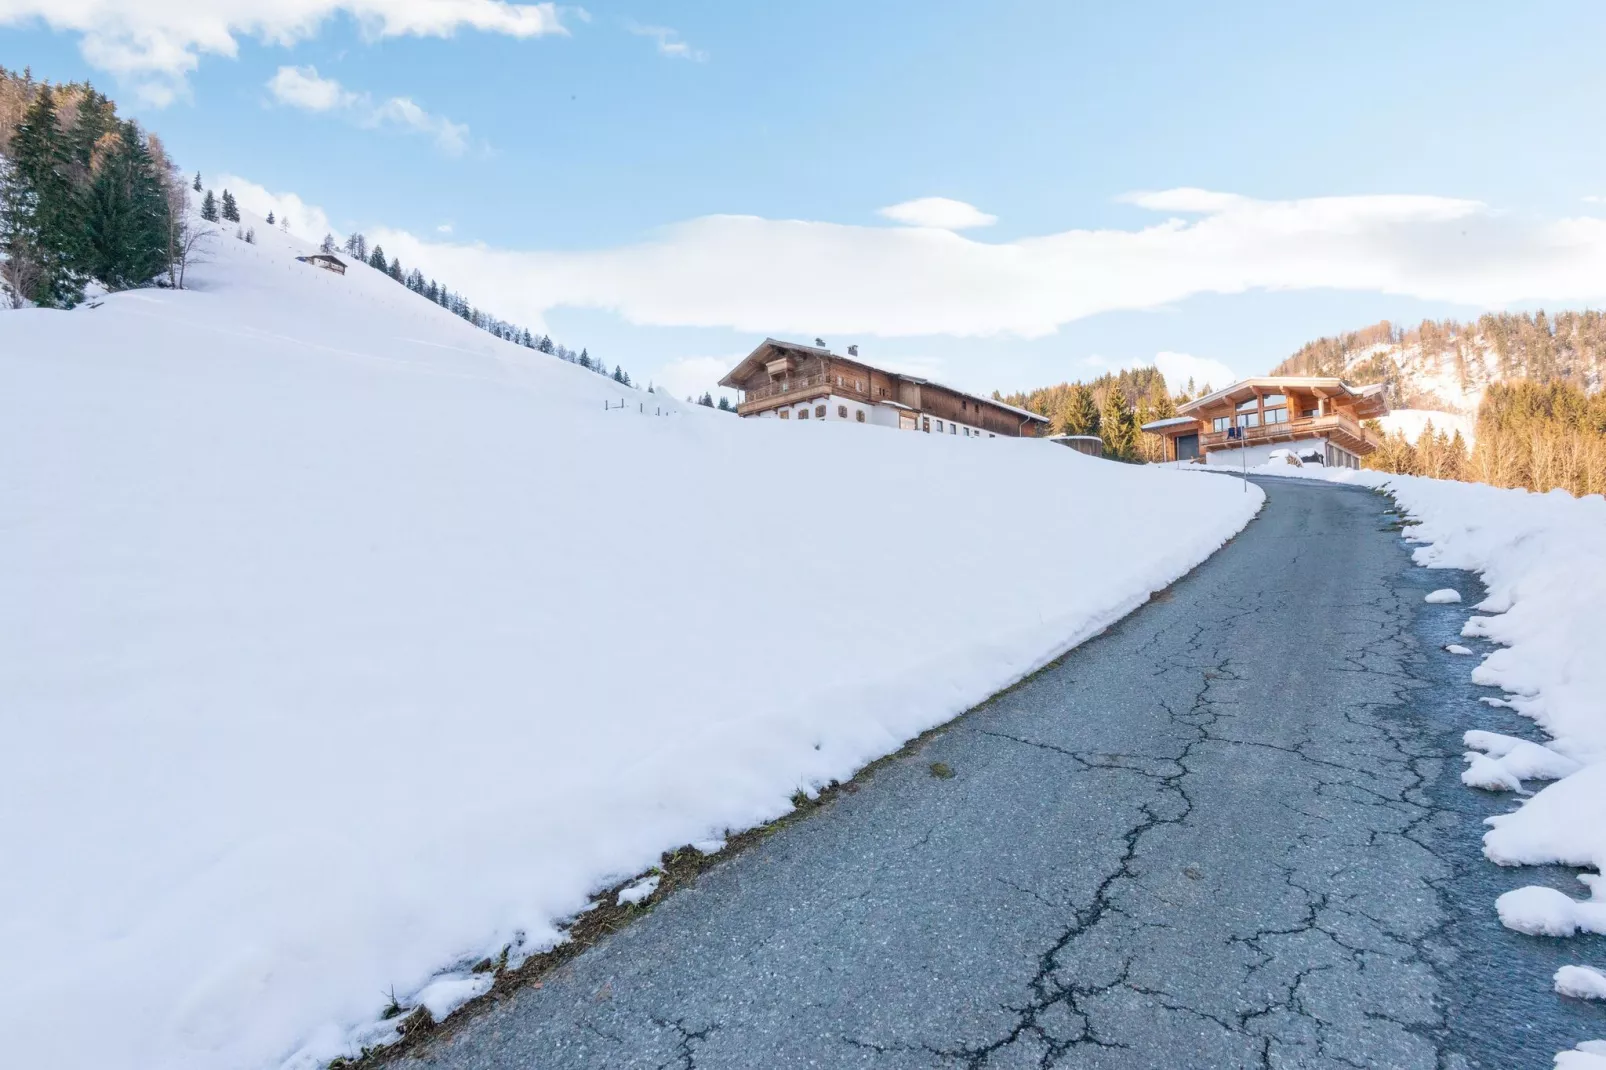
pixel 788 381
pixel 1318 420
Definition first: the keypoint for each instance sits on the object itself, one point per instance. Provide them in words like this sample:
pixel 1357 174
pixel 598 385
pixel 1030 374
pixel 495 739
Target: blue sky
pixel 549 135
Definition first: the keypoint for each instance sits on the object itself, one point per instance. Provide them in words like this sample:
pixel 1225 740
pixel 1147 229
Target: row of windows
pixel 819 413
pixel 953 428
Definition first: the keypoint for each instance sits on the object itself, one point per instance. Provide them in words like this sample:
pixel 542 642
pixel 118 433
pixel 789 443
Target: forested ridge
pixel 1567 347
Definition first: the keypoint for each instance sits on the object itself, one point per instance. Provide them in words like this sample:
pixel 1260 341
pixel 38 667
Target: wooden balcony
pixel 1341 430
pixel 787 391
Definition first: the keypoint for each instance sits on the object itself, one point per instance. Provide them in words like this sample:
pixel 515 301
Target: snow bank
pixel 337 649
pixel 1581 982
pixel 1543 559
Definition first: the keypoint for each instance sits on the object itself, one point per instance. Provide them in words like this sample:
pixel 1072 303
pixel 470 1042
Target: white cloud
pixel 302 87
pixel 156 43
pixel 938 212
pixel 307 221
pixel 669 42
pixel 305 88
pixel 444 228
pixel 1593 199
pixel 1178 368
pixel 691 376
pixel 833 279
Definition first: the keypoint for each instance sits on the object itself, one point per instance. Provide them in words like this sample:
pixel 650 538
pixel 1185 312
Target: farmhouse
pixel 788 381
pixel 1316 419
pixel 327 261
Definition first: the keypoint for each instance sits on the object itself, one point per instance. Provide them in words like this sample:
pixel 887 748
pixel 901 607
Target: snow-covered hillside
pixel 1414 421
pixel 344 644
pixel 1446 367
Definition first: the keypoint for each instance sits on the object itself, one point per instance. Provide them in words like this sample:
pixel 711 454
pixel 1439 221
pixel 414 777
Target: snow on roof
pixel 1171 421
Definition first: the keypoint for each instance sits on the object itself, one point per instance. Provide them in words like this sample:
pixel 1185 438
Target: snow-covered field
pixel 1543 559
pixel 342 644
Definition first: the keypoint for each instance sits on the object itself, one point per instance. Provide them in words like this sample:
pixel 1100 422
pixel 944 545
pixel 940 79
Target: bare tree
pixel 191 250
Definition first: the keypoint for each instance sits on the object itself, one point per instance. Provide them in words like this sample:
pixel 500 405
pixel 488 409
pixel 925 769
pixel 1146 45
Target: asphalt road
pixel 1227 833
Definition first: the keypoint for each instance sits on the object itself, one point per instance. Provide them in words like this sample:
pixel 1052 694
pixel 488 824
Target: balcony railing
pixel 1334 424
pixel 777 387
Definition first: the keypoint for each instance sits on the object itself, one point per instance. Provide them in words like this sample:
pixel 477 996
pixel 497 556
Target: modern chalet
pixel 1318 420
pixel 788 381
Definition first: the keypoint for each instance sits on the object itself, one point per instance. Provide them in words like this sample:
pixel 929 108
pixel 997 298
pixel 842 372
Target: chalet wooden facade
pixel 788 381
pixel 1318 420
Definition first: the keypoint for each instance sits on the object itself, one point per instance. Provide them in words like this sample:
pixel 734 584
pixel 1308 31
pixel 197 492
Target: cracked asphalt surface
pixel 1219 835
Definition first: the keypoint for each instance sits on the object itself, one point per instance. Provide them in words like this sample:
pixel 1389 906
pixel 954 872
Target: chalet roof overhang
pixel 768 350
pixel 1369 399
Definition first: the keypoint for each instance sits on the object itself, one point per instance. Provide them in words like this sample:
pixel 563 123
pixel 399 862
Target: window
pixel 939 427
pixel 785 415
pixel 860 416
pixel 1276 416
pixel 953 429
pixel 967 432
pixel 1221 423
pixel 1308 414
pixel 841 412
pixel 1249 419
pixel 925 424
pixel 1249 406
pixel 1271 401
pixel 839 380
pixel 802 414
pixel 819 410
pixel 858 384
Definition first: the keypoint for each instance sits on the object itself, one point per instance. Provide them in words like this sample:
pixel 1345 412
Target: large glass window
pixel 1271 401
pixel 1249 419
pixel 1221 423
pixel 1276 416
pixel 1249 406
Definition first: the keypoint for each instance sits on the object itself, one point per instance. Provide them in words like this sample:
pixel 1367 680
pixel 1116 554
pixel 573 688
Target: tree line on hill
pixel 1114 406
pixel 357 248
pixel 1540 436
pixel 84 195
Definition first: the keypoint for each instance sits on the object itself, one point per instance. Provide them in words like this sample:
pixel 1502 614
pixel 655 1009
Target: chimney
pixel 853 351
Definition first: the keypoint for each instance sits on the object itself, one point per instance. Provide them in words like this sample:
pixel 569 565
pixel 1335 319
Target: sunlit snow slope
pixel 342 644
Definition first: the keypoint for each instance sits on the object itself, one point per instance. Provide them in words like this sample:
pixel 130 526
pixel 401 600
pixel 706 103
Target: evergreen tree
pixel 706 400
pixel 54 220
pixel 270 217
pixel 585 359
pixel 526 341
pixel 433 291
pixel 618 374
pixel 231 210
pixel 328 244
pixel 1117 427
pixel 209 207
pixel 125 215
pixel 395 269
pixel 545 345
pixel 725 404
pixel 197 182
pixel 1080 415
pixel 377 260
pixel 19 237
